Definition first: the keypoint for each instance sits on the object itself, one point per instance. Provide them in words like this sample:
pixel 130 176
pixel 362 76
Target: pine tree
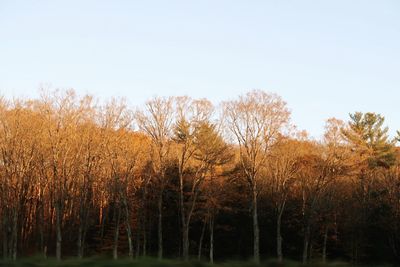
pixel 370 139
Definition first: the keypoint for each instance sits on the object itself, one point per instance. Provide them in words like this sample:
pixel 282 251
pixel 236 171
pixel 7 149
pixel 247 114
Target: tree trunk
pixel 116 236
pixel 79 242
pixel 201 240
pixel 5 235
pixel 130 244
pixel 212 239
pixel 256 231
pixel 138 231
pixel 84 239
pixel 15 235
pixel 80 234
pixel 186 242
pixel 324 245
pixel 128 229
pixel 185 226
pixel 306 243
pixel 58 230
pixel 279 236
pixel 41 228
pixel 144 239
pixel 160 237
pixel 144 221
pixel 82 230
pixel 103 223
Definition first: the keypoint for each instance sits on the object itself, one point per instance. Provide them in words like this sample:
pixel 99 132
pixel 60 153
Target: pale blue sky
pixel 324 57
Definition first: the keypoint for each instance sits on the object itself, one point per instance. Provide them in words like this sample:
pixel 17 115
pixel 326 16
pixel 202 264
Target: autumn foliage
pixel 181 178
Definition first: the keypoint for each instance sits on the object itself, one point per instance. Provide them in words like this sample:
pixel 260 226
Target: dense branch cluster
pixel 179 177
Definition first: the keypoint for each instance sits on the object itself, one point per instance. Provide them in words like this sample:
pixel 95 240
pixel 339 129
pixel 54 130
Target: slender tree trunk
pixel 185 226
pixel 116 235
pixel 58 230
pixel 186 242
pixel 256 231
pixel 138 232
pixel 79 242
pixel 144 221
pixel 80 233
pixel 144 239
pixel 128 229
pixel 15 234
pixel 160 236
pixel 5 236
pixel 212 239
pixel 130 244
pixel 201 240
pixel 82 230
pixel 325 244
pixel 180 253
pixel 41 227
pixel 103 222
pixel 279 236
pixel 84 239
pixel 306 243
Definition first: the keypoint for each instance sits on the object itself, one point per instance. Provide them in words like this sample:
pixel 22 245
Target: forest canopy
pixel 183 178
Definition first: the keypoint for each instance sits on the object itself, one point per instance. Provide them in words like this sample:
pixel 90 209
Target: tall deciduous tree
pixel 255 120
pixel 282 166
pixel 156 120
pixel 62 113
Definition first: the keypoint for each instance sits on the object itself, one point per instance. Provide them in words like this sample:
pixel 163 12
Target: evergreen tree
pixel 368 136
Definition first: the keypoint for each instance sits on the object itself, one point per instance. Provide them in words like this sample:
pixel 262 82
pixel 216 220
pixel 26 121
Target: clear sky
pixel 324 57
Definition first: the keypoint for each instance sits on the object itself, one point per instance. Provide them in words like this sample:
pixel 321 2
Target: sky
pixel 325 58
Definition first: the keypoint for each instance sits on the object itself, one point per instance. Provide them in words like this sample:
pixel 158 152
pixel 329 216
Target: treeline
pixel 180 178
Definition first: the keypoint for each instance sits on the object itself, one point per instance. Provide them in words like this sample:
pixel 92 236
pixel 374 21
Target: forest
pixel 183 178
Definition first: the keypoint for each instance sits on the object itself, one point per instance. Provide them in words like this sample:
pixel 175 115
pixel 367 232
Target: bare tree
pixel 156 120
pixel 62 112
pixel 255 120
pixel 19 146
pixel 282 167
pixel 320 166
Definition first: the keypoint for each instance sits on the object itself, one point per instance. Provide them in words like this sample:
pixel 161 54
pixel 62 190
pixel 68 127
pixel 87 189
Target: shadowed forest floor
pixel 105 262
